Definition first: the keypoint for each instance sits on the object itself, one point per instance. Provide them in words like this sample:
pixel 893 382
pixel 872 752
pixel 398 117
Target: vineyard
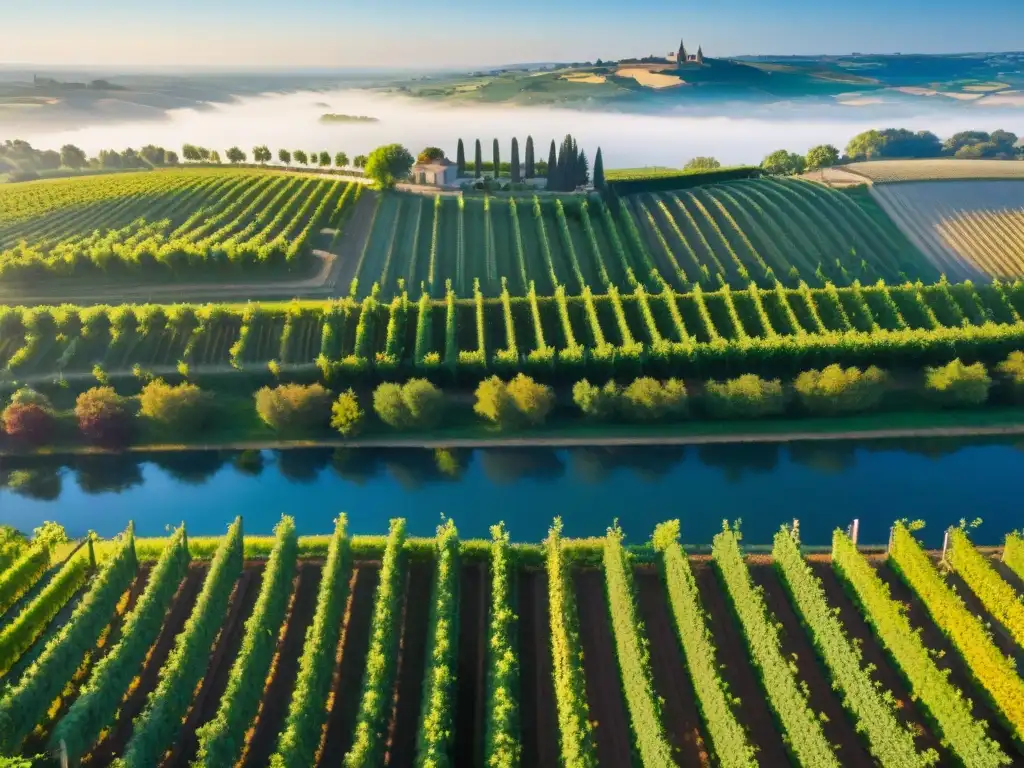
pixel 397 651
pixel 150 226
pixel 969 229
pixel 734 233
pixel 773 331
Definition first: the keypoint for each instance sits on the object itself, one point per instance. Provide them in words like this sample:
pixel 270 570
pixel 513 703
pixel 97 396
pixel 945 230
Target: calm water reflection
pixel 824 484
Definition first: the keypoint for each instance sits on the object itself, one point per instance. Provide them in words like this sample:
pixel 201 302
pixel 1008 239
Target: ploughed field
pixel 770 330
pixel 970 230
pixel 757 230
pixel 350 650
pixel 189 224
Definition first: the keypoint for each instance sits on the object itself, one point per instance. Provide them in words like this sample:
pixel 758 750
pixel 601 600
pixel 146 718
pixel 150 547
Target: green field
pixel 155 225
pixel 734 233
pixel 773 331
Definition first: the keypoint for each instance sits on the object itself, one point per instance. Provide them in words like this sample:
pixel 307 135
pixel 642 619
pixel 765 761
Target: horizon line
pixel 308 68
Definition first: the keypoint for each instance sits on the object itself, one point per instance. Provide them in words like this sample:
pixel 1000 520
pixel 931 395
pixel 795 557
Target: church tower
pixel 681 56
pixel 700 55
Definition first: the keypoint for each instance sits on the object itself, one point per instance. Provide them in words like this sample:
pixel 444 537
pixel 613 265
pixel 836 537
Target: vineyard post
pixel 945 544
pixel 888 547
pixel 854 530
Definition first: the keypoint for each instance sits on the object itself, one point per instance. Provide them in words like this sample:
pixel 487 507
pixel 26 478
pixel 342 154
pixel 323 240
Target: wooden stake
pixel 855 530
pixel 945 544
pixel 888 547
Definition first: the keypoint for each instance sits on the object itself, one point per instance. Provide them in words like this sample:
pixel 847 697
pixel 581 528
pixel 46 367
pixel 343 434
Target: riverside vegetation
pixel 163 412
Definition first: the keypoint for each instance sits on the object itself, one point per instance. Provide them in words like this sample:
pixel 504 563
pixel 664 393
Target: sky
pixel 453 33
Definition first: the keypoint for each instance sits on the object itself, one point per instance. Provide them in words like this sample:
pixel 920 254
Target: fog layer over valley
pixel 737 133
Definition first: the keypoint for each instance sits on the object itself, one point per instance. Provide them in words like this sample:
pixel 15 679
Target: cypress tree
pixel 582 170
pixel 598 170
pixel 530 170
pixel 552 167
pixel 479 159
pixel 460 159
pixel 515 161
pixel 497 160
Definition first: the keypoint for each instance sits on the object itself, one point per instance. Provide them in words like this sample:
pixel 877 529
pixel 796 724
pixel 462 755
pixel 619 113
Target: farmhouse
pixel 441 172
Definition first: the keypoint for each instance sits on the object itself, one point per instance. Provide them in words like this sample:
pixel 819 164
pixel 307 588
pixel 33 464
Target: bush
pixel 957 385
pixel 837 390
pixel 746 397
pixel 185 408
pixel 647 399
pixel 104 416
pixel 1012 369
pixel 533 401
pixel 597 403
pixel 346 415
pixel 520 402
pixel 294 407
pixel 417 404
pixel 28 396
pixel 29 423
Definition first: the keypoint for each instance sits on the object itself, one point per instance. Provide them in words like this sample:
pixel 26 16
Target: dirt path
pixel 538 719
pixel 278 694
pixel 408 689
pixel 679 714
pixel 534 441
pixel 471 679
pixel 605 701
pixel 796 645
pixel 181 608
pixel 352 242
pixel 885 672
pixel 738 671
pixel 353 646
pixel 222 657
pixel 947 657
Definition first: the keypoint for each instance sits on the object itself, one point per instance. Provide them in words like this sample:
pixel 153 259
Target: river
pixel 822 484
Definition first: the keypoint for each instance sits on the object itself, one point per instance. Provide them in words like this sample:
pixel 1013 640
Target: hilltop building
pixel 682 57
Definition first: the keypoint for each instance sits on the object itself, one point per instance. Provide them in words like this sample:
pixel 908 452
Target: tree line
pixel 901 144
pixel 18 157
pixel 262 155
pixel 105 417
pixel 566 168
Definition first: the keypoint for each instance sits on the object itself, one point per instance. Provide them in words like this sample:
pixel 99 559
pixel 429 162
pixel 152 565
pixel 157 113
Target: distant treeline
pixel 22 162
pixel 901 143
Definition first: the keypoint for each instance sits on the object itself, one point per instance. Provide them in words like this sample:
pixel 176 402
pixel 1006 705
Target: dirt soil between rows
pixel 679 714
pixel 885 673
pixel 605 701
pixel 353 647
pixel 796 646
pixel 539 720
pixel 471 678
pixel 935 640
pixel 181 608
pixel 408 687
pixel 738 671
pixel 278 694
pixel 222 658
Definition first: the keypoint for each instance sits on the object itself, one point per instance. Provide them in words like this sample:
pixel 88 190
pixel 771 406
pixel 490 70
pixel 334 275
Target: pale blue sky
pixel 432 33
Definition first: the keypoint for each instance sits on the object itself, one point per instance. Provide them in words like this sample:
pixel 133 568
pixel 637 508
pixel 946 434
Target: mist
pixel 735 134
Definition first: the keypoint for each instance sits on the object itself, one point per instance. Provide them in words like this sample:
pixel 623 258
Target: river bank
pixel 877 426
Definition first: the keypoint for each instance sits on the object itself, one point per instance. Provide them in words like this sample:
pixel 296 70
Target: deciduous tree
pixel 235 155
pixel 72 157
pixel 341 160
pixel 822 156
pixel 388 164
pixel 284 156
pixel 104 416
